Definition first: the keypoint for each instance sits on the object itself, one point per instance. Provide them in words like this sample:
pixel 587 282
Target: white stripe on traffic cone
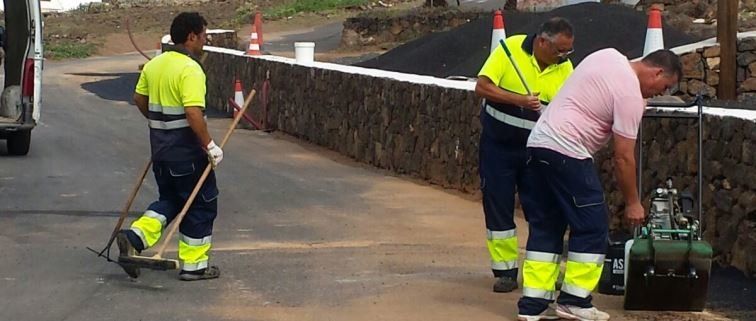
pixel 499 33
pixel 654 34
pixel 238 96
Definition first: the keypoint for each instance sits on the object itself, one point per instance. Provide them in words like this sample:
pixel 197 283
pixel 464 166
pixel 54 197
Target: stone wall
pixel 222 39
pixel 382 27
pixel 701 71
pixel 428 132
pixel 432 132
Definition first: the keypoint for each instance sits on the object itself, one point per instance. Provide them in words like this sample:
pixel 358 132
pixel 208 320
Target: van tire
pixel 18 142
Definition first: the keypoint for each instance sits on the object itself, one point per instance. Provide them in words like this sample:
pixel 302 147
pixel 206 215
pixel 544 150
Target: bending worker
pixel 171 95
pixel 603 100
pixel 508 115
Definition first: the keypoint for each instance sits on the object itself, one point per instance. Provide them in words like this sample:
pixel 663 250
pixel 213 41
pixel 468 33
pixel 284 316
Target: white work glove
pixel 214 154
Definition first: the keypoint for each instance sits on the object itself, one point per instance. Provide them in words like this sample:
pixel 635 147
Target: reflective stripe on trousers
pixel 582 273
pixel 539 274
pixel 149 227
pixel 193 252
pixel 502 245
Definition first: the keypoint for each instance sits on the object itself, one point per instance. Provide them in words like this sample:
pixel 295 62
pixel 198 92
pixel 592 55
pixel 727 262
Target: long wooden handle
pixel 127 206
pixel 190 200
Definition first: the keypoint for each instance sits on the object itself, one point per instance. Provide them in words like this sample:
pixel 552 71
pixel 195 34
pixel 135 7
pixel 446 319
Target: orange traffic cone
pixel 258 28
pixel 654 34
pixel 499 33
pixel 254 39
pixel 238 96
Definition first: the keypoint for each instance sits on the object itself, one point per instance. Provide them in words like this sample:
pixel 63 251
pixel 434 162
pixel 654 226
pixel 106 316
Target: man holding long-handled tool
pixel 519 75
pixel 171 95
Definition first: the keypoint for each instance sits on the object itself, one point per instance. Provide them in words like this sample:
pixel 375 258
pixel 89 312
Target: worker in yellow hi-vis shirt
pixel 511 108
pixel 171 95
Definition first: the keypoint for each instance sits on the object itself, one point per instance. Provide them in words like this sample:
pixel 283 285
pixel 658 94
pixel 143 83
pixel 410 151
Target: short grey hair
pixel 555 26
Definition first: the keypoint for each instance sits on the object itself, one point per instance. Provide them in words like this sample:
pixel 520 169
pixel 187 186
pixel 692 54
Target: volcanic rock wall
pixel 701 71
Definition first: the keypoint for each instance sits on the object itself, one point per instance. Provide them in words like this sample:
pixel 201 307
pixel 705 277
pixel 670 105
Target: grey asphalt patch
pixel 8 213
pixel 114 87
pixel 326 38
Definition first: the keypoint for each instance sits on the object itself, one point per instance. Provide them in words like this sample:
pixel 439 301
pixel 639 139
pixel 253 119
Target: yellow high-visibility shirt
pixel 173 80
pixel 546 82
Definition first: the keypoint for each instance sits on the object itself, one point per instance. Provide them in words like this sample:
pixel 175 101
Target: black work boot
pixel 126 249
pixel 504 285
pixel 212 272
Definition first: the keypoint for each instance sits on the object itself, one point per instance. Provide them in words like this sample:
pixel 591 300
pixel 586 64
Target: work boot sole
pixel 567 315
pixel 504 285
pixel 212 272
pixel 125 250
pixel 536 318
pixel 570 316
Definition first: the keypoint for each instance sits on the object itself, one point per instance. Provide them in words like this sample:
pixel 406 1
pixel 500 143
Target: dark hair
pixel 666 60
pixel 554 26
pixel 186 23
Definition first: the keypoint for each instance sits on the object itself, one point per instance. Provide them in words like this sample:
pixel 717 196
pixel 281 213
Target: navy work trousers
pixel 569 194
pixel 175 181
pixel 503 172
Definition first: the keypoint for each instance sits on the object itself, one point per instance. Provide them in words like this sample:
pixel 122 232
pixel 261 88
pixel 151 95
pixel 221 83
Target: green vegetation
pixel 66 49
pixel 243 15
pixel 94 7
pixel 297 6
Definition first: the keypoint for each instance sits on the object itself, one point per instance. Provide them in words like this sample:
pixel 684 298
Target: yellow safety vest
pixel 547 82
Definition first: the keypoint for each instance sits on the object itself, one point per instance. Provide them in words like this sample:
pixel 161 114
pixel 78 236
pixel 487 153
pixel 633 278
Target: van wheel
pixel 18 142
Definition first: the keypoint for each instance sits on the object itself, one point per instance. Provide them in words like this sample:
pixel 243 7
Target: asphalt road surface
pixel 302 233
pixel 326 38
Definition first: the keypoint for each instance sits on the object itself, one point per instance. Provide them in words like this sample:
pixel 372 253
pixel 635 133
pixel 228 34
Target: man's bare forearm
pixel 197 122
pixel 142 102
pixel 625 172
pixel 487 89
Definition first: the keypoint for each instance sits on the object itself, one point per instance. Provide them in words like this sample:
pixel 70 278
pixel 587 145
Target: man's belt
pixel 509 119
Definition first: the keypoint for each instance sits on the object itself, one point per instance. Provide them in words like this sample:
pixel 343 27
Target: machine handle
pixel 694 102
pixel 672 231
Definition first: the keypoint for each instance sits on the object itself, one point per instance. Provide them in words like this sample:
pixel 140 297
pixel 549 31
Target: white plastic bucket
pixel 304 52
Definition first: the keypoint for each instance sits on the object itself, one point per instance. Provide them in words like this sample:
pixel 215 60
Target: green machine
pixel 668 264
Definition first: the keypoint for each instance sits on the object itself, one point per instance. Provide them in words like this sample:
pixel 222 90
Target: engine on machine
pixel 672 210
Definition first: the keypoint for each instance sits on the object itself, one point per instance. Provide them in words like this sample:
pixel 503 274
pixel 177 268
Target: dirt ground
pixel 106 27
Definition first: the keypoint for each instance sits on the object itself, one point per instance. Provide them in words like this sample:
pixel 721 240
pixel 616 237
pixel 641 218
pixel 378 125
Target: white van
pixel 22 82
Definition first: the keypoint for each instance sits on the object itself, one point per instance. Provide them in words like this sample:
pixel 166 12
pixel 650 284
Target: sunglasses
pixel 560 53
pixel 564 53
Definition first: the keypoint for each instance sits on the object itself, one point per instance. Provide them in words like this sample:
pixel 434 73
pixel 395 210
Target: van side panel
pixel 17 45
pixel 37 55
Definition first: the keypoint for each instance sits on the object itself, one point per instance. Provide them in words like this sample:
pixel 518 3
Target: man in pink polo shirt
pixel 602 100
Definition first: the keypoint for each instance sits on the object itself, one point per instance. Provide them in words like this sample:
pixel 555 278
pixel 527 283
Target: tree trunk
pixel 436 3
pixel 510 5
